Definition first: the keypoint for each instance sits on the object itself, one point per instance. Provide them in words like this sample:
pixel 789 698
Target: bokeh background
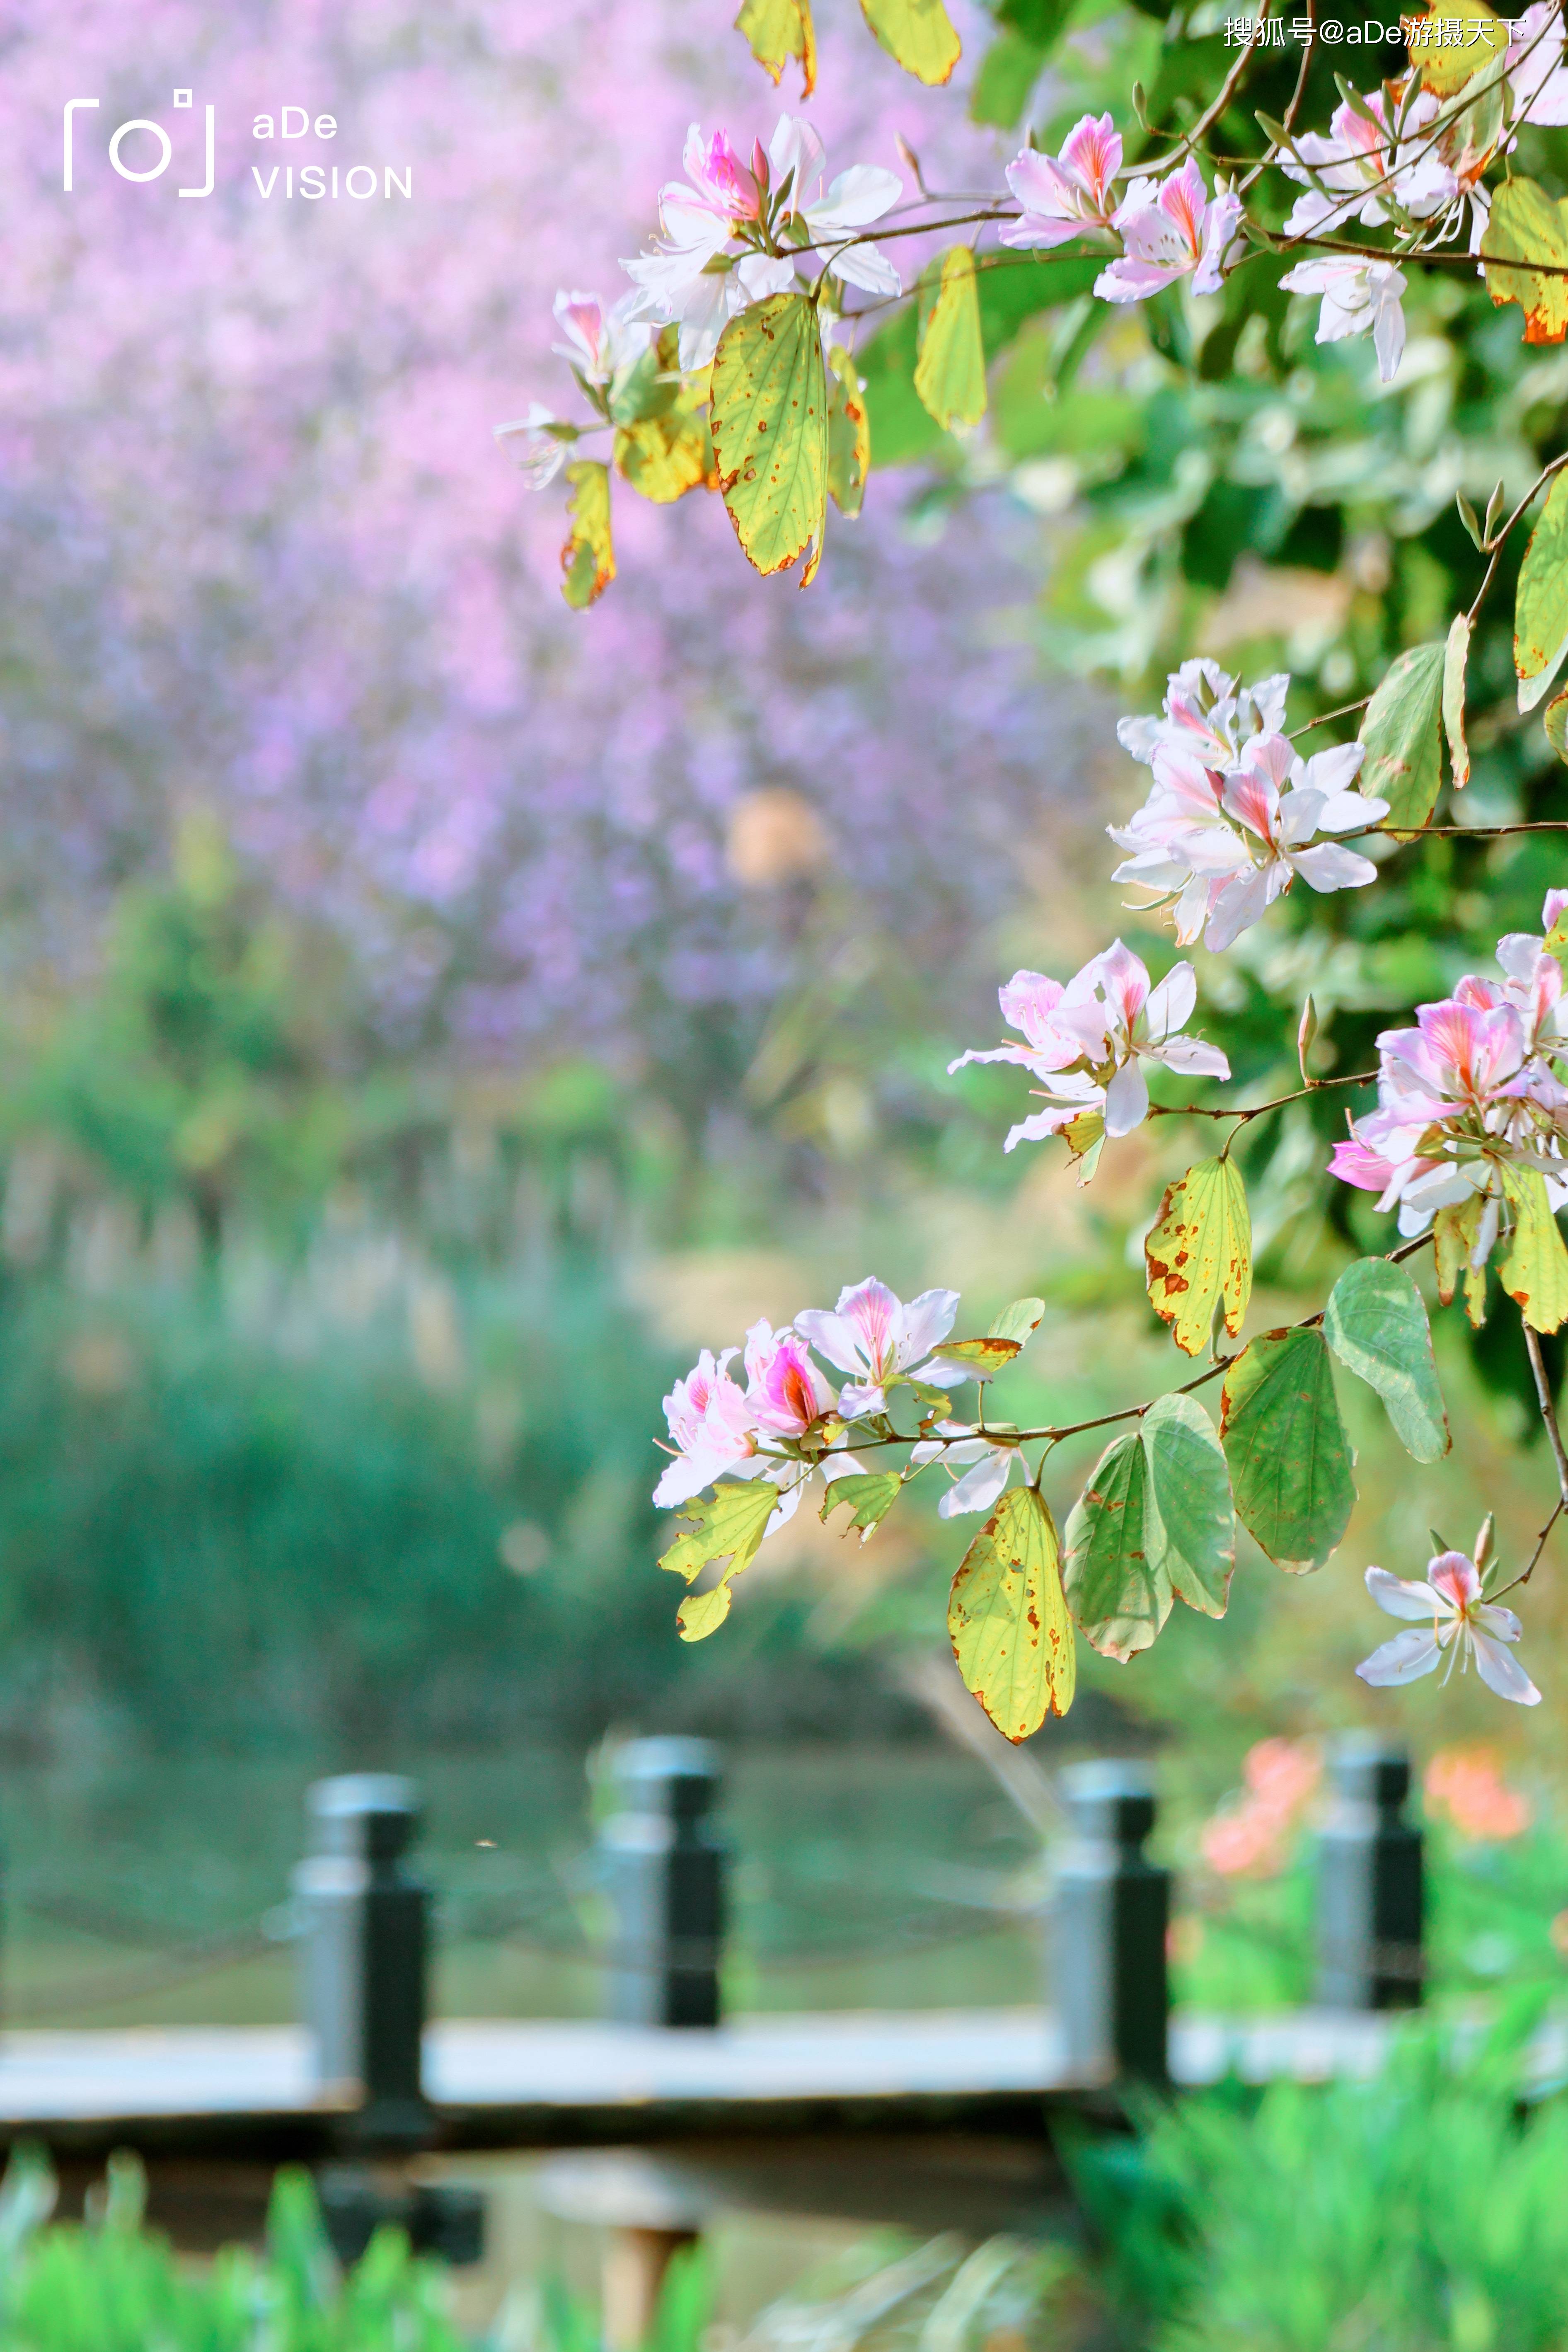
pixel 429 1015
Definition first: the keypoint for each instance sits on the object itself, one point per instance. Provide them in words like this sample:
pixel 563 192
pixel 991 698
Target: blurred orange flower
pixel 1467 1784
pixel 1249 1836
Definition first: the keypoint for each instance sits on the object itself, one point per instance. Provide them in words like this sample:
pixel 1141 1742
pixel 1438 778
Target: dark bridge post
pixel 366 1919
pixel 1369 1883
pixel 1109 1914
pixel 663 1870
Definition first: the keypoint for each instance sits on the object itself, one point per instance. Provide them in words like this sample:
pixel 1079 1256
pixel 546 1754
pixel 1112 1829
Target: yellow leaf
pixel 1456 656
pixel 849 433
pixel 1010 1630
pixel 1554 719
pixel 769 423
pixel 1453 41
pixel 917 33
pixel 950 372
pixel 588 559
pixel 1453 1232
pixel 664 457
pixel 1541 601
pixel 1527 227
pixel 1200 1254
pixel 778 30
pixel 1535 1271
pixel 728 1525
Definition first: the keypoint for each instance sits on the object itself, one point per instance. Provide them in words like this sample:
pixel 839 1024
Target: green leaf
pixel 1198 1253
pixel 729 1526
pixel 918 34
pixel 1456 656
pixel 1535 1271
pixel 1018 1322
pixel 1010 1630
pixel 1526 226
pixel 1541 607
pixel 1455 1231
pixel 768 417
pixel 1404 761
pixel 1008 72
pixel 662 443
pixel 870 1495
pixel 849 433
pixel 1554 719
pixel 989 1356
pixel 1290 1461
pixel 1155 1522
pixel 588 559
pixel 778 30
pixel 1377 1325
pixel 950 372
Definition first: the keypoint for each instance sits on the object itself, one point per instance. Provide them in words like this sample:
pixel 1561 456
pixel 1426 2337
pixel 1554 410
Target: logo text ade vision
pixel 359 181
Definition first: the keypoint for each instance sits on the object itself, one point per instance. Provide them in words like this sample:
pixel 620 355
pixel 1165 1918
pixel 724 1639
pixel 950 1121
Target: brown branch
pixel 1261 1110
pixel 1548 1404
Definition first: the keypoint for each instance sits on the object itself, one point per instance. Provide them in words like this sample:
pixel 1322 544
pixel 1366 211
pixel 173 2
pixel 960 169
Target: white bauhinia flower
pixel 1207 714
pixel 535 445
pixel 714 1429
pixel 1359 296
pixel 876 1338
pixel 1537 76
pixel 993 1464
pixel 1281 803
pixel 601 344
pixel 1456 1620
pixel 1368 161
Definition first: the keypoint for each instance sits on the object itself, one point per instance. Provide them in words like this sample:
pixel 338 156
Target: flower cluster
pixel 730 232
pixel 1250 1838
pixel 1469 1093
pixel 784 1422
pixel 1467 1784
pixel 1459 1622
pixel 1091 1039
pixel 1234 815
pixel 1169 228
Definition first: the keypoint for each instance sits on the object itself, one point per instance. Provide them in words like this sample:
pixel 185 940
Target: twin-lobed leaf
pixel 1200 1254
pixel 1541 605
pixel 1155 1521
pixel 727 1525
pixel 768 416
pixel 918 34
pixel 1535 1271
pixel 849 432
pixel 588 559
pixel 1525 228
pixel 1404 761
pixel 1011 1634
pixel 1289 1460
pixel 950 371
pixel 985 1357
pixel 778 30
pixel 1377 1325
pixel 869 1494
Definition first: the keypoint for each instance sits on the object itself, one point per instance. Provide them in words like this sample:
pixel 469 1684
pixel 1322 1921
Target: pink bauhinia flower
pixel 1089 1039
pixel 599 343
pixel 713 1427
pixel 877 1339
pixel 1171 229
pixel 1368 161
pixel 1063 195
pixel 1537 76
pixel 1359 296
pixel 784 1391
pixel 1460 1623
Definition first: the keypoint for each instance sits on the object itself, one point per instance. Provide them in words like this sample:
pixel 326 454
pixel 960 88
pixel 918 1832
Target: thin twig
pixel 1548 1405
pixel 1261 1110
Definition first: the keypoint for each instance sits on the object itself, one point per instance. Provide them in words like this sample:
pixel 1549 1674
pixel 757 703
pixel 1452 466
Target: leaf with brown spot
pixel 849 433
pixel 768 416
pixel 1198 1253
pixel 1011 1634
pixel 1153 1524
pixel 1527 227
pixel 985 1358
pixel 778 30
pixel 1535 1271
pixel 1541 605
pixel 588 559
pixel 1453 1232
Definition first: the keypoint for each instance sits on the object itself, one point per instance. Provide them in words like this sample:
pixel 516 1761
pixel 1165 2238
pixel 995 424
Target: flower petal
pixel 1501 1672
pixel 1404 1659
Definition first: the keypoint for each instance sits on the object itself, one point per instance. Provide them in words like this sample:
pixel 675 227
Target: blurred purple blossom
pixel 261 548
